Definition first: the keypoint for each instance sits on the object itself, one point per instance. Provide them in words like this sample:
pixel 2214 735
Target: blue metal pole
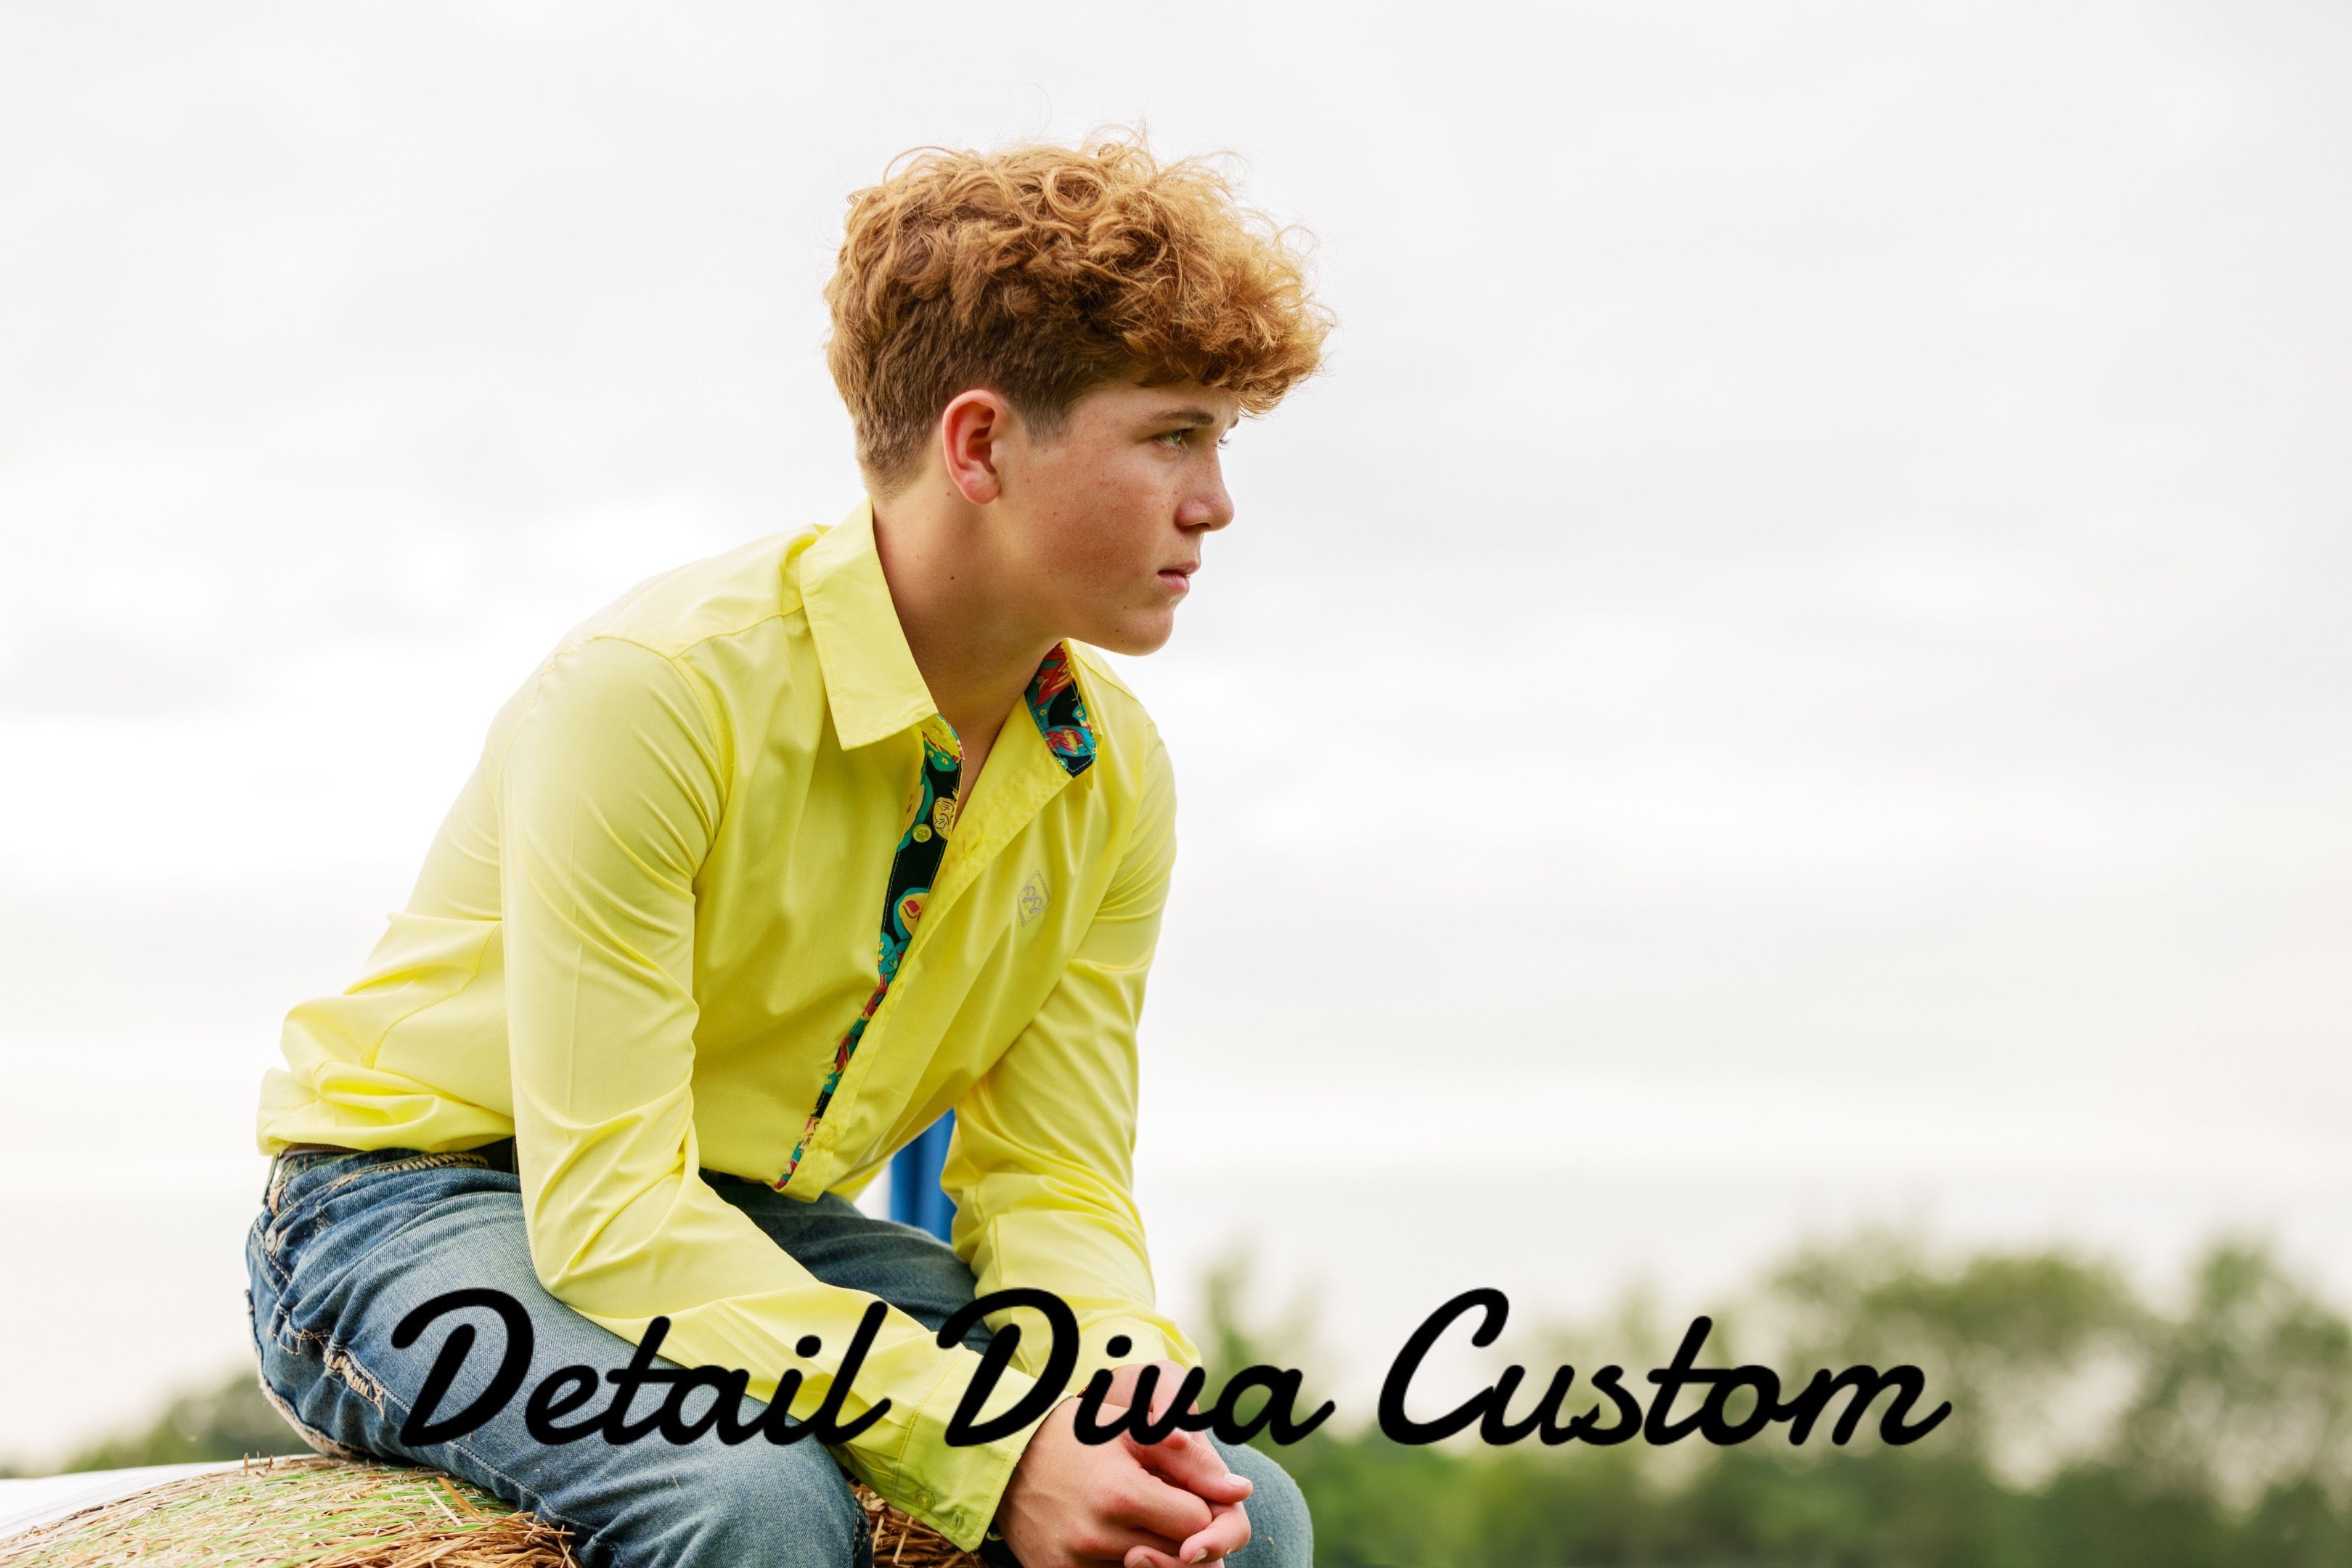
pixel 915 1197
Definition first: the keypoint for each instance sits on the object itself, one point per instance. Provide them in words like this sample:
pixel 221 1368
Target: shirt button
pixel 922 832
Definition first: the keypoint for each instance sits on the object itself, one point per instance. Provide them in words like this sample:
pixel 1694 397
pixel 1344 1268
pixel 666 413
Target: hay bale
pixel 311 1512
pixel 314 1512
pixel 899 1541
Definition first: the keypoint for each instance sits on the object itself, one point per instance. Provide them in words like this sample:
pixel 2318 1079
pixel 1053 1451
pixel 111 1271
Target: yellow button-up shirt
pixel 646 925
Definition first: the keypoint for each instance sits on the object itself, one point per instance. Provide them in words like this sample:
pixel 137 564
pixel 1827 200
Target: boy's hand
pixel 1170 1504
pixel 1123 1380
pixel 1227 1515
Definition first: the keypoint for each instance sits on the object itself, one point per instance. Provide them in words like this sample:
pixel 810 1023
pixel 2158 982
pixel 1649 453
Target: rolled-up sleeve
pixel 611 792
pixel 1043 1162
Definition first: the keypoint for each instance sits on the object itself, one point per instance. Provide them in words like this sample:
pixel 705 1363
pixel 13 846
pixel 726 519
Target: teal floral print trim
pixel 1060 713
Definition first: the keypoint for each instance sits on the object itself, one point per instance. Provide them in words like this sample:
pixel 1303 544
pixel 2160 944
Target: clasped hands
pixel 1170 1504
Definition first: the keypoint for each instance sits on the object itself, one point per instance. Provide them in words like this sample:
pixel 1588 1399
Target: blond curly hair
pixel 1042 271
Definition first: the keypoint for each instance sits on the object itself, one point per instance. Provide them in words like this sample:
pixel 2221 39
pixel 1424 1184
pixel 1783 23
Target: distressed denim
pixel 347 1243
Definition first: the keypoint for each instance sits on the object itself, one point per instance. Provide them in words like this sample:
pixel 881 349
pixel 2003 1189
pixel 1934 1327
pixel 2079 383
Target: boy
pixel 635 1042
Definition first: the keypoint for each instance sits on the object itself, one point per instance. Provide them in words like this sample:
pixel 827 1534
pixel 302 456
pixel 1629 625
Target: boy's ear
pixel 970 428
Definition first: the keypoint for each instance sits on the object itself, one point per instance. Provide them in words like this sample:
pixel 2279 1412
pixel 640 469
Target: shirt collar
pixel 870 677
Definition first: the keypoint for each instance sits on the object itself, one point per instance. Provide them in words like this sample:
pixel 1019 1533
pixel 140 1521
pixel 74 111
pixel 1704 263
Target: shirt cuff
pixel 955 1491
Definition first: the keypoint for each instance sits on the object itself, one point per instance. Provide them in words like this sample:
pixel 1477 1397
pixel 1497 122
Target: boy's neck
pixel 975 635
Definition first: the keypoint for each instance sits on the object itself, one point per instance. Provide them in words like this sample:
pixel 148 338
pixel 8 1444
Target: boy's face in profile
pixel 1106 517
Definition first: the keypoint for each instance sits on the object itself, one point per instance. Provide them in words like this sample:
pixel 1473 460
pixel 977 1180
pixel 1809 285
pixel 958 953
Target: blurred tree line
pixel 2090 1426
pixel 224 1420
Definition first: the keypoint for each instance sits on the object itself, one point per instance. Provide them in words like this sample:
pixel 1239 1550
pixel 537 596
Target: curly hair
pixel 1042 272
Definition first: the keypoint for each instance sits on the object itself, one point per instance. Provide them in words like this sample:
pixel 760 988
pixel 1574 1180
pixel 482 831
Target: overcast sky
pixel 1794 669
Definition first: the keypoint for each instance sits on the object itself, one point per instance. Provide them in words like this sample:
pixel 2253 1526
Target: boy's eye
pixel 1175 437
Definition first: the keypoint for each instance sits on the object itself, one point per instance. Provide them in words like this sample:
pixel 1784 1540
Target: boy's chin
pixel 1136 634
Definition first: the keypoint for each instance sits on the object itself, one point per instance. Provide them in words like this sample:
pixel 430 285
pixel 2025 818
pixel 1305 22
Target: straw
pixel 300 1512
pixel 900 1543
pixel 311 1512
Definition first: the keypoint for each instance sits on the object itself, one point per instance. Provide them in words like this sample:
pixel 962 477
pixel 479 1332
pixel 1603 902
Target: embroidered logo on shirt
pixel 1032 896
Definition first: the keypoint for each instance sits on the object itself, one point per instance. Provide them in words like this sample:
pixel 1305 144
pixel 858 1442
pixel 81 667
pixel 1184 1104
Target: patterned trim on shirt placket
pixel 1059 712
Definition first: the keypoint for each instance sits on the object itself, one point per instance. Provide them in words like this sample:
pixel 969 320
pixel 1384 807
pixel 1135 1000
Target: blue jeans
pixel 347 1243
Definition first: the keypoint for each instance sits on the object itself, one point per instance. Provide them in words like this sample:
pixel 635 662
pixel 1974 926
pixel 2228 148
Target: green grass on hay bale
pixel 309 1512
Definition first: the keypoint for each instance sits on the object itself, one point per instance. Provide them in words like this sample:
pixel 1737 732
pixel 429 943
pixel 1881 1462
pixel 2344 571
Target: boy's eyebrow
pixel 1188 418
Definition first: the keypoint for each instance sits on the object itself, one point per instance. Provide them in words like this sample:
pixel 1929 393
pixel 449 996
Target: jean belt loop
pixel 276 1188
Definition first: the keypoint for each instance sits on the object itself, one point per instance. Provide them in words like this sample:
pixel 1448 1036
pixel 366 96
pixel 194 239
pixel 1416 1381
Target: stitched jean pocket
pixel 291 1203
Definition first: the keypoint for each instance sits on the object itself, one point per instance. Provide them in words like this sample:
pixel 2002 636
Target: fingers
pixel 1142 1552
pixel 1167 1381
pixel 1228 1532
pixel 1152 1508
pixel 1189 1460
